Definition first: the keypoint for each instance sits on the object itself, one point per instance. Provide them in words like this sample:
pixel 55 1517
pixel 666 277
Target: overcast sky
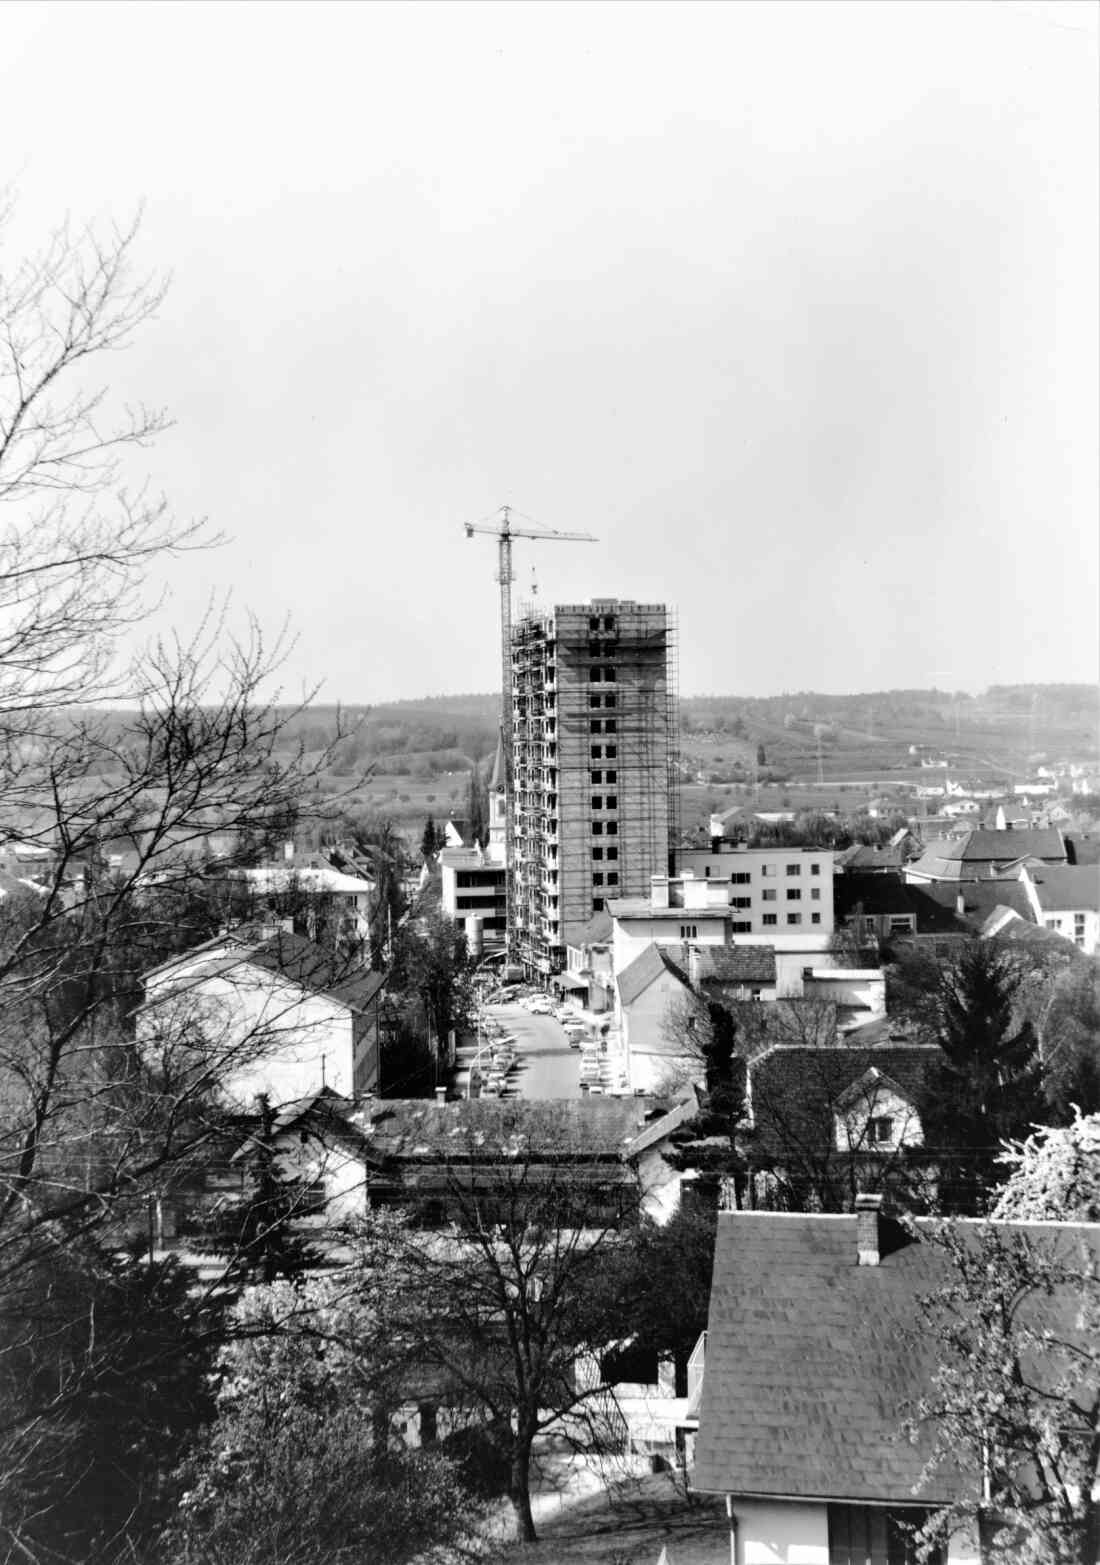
pixel 793 305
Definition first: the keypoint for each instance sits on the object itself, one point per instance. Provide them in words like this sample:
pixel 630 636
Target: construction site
pixel 594 739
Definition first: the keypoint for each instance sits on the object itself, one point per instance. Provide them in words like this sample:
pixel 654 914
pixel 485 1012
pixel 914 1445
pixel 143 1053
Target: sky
pixel 793 306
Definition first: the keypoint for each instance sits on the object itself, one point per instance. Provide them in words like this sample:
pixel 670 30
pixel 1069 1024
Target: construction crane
pixel 503 531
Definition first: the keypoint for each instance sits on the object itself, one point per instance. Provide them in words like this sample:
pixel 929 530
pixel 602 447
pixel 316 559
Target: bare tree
pixel 509 1306
pixel 104 818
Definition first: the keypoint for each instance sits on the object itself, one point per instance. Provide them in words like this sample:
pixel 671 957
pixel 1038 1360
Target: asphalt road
pixel 546 1067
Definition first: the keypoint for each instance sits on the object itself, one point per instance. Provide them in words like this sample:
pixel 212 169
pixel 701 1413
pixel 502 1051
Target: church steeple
pixel 496 780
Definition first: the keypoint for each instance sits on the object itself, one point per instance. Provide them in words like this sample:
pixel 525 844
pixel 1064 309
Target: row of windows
pixel 605 777
pixel 606 752
pixel 602 725
pixel 612 879
pixel 604 671
pixel 794 894
pixel 743 877
pixel 594 622
pixel 792 918
pixel 607 701
pixel 610 853
pixel 608 801
pixel 599 827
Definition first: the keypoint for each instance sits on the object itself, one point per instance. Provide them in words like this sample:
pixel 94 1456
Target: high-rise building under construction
pixel 594 784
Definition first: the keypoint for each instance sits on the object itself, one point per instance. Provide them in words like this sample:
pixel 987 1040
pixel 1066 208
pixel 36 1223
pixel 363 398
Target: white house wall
pixel 265 1035
pixel 793 1532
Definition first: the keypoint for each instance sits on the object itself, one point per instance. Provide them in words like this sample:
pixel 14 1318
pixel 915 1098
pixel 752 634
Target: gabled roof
pixel 880 895
pixel 287 955
pixel 974 855
pixel 860 856
pixel 813 1360
pixel 980 898
pixel 737 964
pixel 1067 887
pixel 1018 931
pixel 498 774
pixel 796 1090
pixel 645 969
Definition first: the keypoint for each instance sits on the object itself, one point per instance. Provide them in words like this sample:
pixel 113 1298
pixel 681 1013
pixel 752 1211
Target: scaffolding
pixel 596 785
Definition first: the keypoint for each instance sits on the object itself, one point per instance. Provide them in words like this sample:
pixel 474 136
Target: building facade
pixel 593 733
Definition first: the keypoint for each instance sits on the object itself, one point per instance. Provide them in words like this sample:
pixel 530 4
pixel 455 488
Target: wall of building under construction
pixel 595 725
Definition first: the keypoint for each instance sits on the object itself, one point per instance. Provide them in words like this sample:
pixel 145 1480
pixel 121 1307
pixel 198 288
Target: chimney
pixel 659 891
pixel 960 906
pixel 288 852
pixel 441 1094
pixel 868 1212
pixel 694 966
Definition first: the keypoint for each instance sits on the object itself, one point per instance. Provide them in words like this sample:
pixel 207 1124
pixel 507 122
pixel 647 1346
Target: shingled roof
pixel 737 964
pixel 976 855
pixel 1067 887
pixel 812 1361
pixel 795 1090
pixel 645 969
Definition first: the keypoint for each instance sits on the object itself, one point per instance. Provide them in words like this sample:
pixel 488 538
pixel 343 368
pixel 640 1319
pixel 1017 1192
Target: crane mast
pixel 503 531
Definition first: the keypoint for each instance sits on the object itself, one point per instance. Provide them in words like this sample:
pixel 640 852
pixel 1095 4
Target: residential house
pixel 277 1014
pixel 310 884
pixel 1065 899
pixel 827 1119
pixel 985 855
pixel 813 1355
pixel 475 877
pixel 653 1004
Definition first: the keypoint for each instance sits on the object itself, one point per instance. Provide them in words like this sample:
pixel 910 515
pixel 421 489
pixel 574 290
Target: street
pixel 546 1067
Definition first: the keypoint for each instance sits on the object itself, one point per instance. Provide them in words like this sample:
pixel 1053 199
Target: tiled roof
pixel 879 895
pixel 644 970
pixel 795 1090
pixel 491 1128
pixel 979 898
pixel 973 856
pixel 737 964
pixel 1067 887
pixel 290 956
pixel 812 1360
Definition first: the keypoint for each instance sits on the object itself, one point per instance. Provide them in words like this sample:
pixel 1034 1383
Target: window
pixel 594 622
pixel 597 853
pixel 595 726
pixel 612 853
pixel 608 701
pixel 609 673
pixel 594 675
pixel 874 1535
pixel 613 878
pixel 815 918
pixel 706 871
pixel 612 801
pixel 597 801
pixel 612 828
pixel 612 777
pixel 597 880
pixel 594 701
pixel 767 869
pixel 815 869
pixel 1053 923
pixel 882 1129
pixel 903 923
pixel 610 726
pixel 742 927
pixel 597 777
pixel 794 894
pixel 597 828
pixel 597 904
pixel 740 877
pixel 815 894
pixel 609 622
pixel 794 918
pixel 770 895
pixel 688 932
pixel 596 751
pixel 794 869
pixel 769 919
pixel 611 752
pixel 740 902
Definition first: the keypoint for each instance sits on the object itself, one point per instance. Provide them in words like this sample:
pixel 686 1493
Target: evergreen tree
pixel 429 842
pixel 988 1088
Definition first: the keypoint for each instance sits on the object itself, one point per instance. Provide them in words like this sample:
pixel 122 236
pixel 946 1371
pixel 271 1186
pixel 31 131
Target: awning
pixel 571 981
